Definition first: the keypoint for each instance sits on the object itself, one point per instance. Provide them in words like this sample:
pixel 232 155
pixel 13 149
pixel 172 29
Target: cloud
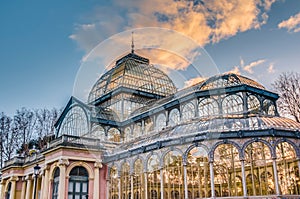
pixel 205 21
pixel 292 24
pixel 193 81
pixel 271 68
pixel 235 70
pixel 249 68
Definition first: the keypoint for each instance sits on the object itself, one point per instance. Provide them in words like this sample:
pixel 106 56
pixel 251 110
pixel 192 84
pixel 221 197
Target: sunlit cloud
pixel 271 68
pixel 292 24
pixel 249 68
pixel 204 21
pixel 235 70
pixel 242 68
pixel 193 81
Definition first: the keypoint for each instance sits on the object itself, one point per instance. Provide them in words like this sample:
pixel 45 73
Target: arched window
pixel 55 183
pixel 148 125
pixel 258 160
pixel 113 185
pixel 208 107
pixel 174 117
pixel 232 104
pixel 173 174
pixel 137 129
pixel 188 111
pixel 287 167
pixel 161 121
pixel 138 179
pixel 78 183
pixel 198 176
pixel 127 134
pixel 125 181
pixel 253 104
pixel 227 167
pixel 113 135
pixel 269 107
pixel 98 132
pixel 153 177
pixel 74 123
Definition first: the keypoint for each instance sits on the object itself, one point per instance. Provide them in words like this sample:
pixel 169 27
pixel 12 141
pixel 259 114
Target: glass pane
pixel 70 196
pixel 77 197
pixel 77 187
pixel 70 186
pixel 84 187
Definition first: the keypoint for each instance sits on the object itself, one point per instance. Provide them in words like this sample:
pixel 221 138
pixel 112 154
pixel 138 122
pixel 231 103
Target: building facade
pixel 139 137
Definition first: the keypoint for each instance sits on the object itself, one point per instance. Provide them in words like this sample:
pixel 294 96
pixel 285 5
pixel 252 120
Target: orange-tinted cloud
pixel 292 24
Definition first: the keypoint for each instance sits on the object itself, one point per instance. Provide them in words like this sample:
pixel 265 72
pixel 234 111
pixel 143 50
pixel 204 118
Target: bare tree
pixel 45 124
pixel 288 87
pixel 24 124
pixel 8 138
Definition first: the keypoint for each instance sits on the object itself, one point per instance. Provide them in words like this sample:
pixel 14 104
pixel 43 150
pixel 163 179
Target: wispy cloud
pixel 241 68
pixel 292 24
pixel 206 21
pixel 193 81
pixel 271 68
pixel 249 68
pixel 235 70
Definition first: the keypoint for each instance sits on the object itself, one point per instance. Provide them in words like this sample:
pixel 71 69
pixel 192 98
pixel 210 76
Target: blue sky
pixel 42 43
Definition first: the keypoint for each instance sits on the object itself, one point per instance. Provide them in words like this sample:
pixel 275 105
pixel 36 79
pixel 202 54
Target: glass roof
pixel 214 82
pixel 134 72
pixel 214 125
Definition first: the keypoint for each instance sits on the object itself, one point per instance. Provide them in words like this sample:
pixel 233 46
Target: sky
pixel 44 44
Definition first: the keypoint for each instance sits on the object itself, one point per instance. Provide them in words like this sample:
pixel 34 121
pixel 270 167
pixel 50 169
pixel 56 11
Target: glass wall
pixel 198 177
pixel 259 170
pixel 287 168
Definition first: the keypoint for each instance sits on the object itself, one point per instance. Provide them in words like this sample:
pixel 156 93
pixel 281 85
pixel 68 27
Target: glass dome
pixel 133 72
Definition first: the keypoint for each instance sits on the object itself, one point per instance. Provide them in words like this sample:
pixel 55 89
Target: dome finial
pixel 132 43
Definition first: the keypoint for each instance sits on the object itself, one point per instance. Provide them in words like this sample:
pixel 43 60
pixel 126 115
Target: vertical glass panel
pixel 113 135
pixel 227 169
pixel 232 104
pixel 188 111
pixel 77 187
pixel 161 121
pixel 153 176
pixel 174 117
pixel 138 182
pixel 113 183
pixel 287 168
pixel 173 174
pixel 127 134
pixel 84 187
pixel 148 125
pixel 74 123
pixel 269 107
pixel 125 180
pixel 253 104
pixel 198 177
pixel 208 107
pixel 98 132
pixel 71 186
pixel 259 170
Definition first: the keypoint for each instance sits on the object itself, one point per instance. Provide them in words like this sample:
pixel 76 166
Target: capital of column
pixel 63 162
pixel 98 164
pixel 28 177
pixel 14 178
pixel 2 182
